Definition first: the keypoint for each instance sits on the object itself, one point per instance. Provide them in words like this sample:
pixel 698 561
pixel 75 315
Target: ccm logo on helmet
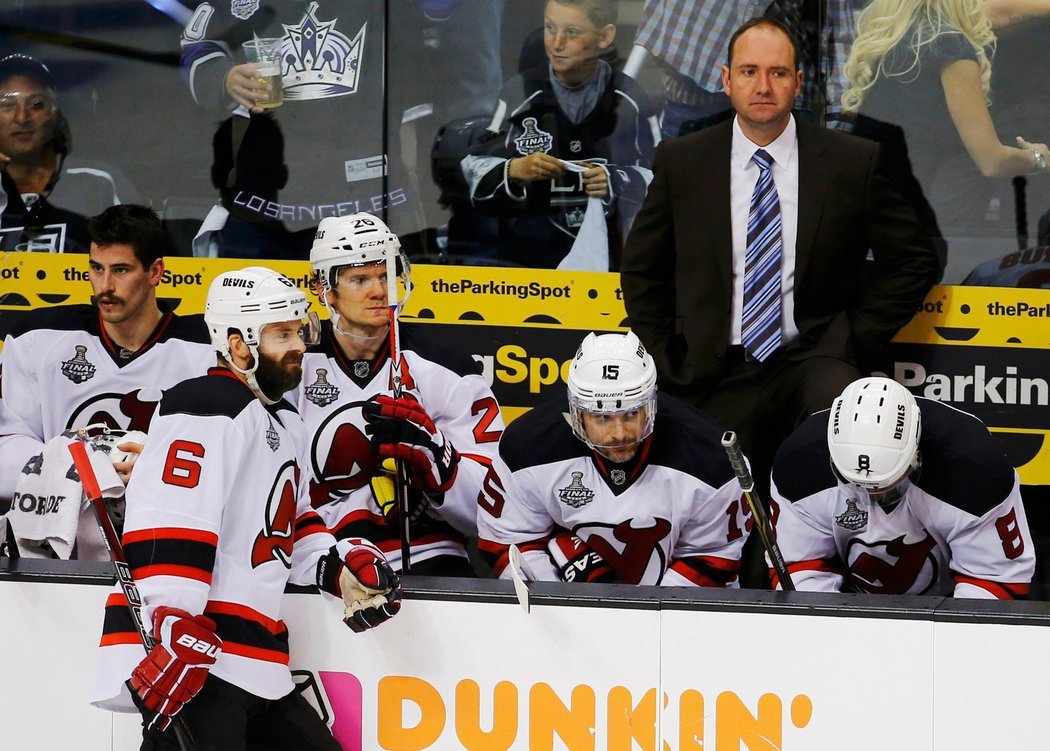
pixel 371 244
pixel 228 282
pixel 197 645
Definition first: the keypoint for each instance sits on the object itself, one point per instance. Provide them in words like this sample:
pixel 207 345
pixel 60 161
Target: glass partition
pixel 495 132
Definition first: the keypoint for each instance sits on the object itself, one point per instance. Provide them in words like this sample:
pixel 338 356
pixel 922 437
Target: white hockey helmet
pixel 611 373
pixel 355 240
pixel 247 299
pixel 873 433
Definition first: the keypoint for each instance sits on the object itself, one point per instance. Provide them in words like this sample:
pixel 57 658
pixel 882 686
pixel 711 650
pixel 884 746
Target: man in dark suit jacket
pixel 683 264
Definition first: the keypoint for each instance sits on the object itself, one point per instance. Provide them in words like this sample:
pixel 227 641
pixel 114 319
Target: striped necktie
pixel 760 325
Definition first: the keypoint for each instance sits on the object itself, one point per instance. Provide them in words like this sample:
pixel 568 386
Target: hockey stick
pixel 759 516
pixel 120 563
pixel 396 383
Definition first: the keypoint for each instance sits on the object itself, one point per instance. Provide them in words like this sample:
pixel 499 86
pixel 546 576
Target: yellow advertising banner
pixel 985 350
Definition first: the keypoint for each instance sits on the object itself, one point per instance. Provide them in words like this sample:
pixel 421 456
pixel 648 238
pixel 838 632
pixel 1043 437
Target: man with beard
pixel 609 488
pixel 218 523
pixel 105 363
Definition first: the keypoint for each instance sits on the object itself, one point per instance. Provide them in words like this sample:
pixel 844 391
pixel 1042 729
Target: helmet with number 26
pixel 612 394
pixel 873 434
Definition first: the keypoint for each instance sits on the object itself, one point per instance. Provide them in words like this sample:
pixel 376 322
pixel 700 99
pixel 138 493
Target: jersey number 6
pixel 179 468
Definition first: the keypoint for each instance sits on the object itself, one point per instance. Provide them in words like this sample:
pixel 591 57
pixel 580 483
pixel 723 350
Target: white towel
pixel 49 511
pixel 590 250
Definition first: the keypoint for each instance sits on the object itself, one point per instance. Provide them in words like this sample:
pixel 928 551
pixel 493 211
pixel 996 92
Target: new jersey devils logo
pixel 895 567
pixel 341 455
pixel 274 542
pixel 114 410
pixel 634 552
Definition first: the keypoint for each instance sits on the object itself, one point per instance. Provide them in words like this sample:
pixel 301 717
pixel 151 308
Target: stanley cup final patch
pixel 576 494
pixel 243 9
pixel 273 438
pixel 321 392
pixel 533 139
pixel 852 518
pixel 78 369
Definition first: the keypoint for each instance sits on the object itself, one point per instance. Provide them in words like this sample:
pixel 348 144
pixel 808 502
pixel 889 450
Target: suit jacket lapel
pixel 812 190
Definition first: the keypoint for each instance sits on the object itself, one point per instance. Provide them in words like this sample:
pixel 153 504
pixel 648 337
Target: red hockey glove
pixel 384 491
pixel 576 561
pixel 402 429
pixel 175 669
pixel 366 582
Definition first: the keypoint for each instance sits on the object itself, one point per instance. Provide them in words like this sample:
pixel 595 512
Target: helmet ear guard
pixel 611 374
pixel 873 434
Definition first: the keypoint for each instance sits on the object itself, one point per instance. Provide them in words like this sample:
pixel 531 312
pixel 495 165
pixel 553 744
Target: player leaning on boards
pixel 627 487
pixel 218 523
pixel 888 494
pixel 445 427
pixel 107 362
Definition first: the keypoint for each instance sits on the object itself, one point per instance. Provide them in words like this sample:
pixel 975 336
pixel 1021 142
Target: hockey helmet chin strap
pixel 249 374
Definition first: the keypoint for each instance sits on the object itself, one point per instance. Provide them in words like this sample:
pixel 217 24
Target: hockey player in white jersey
pixel 889 494
pixel 106 363
pixel 628 486
pixel 218 522
pixel 446 426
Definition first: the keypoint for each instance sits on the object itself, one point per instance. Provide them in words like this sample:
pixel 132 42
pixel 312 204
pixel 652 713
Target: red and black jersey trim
pixel 171 551
pixel 122 356
pixel 707 570
pixel 820 564
pixel 1001 590
pixel 497 554
pixel 118 627
pixel 248 633
pixel 631 468
pixel 309 523
pixel 373 527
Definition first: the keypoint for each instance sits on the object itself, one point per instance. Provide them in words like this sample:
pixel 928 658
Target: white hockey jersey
pixel 342 462
pixel 672 516
pixel 218 522
pixel 960 528
pixel 61 370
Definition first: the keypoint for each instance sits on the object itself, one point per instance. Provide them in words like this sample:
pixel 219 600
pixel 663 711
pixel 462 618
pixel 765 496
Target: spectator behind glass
pixel 568 130
pixel 342 153
pixel 925 66
pixel 46 197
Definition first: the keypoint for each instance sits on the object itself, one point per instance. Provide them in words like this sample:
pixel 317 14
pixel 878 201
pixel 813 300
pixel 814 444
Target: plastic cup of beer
pixel 265 55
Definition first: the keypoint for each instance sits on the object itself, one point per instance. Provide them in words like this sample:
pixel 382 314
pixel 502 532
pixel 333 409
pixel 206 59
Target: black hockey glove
pixel 402 429
pixel 576 561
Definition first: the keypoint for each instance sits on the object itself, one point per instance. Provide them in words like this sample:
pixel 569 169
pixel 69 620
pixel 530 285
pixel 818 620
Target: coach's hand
pixel 175 669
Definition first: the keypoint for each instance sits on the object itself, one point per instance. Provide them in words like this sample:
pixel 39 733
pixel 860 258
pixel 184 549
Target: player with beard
pixel 446 425
pixel 218 523
pixel 888 494
pixel 105 363
pixel 618 484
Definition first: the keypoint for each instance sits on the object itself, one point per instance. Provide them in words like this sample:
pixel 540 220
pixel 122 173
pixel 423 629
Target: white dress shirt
pixel 743 175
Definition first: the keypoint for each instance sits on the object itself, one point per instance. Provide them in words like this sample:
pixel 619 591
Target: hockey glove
pixel 576 562
pixel 366 582
pixel 384 491
pixel 175 669
pixel 402 429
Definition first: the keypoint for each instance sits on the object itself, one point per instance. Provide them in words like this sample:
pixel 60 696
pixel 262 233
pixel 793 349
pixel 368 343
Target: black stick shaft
pixel 1020 184
pixel 759 516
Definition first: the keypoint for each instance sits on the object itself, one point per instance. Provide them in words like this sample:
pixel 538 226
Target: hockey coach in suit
pixel 745 273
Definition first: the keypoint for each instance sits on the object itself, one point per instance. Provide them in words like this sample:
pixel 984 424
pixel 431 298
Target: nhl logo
pixel 575 146
pixel 321 392
pixel 361 368
pixel 533 139
pixel 852 518
pixel 576 494
pixel 243 9
pixel 78 369
pixel 618 476
pixel 273 438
